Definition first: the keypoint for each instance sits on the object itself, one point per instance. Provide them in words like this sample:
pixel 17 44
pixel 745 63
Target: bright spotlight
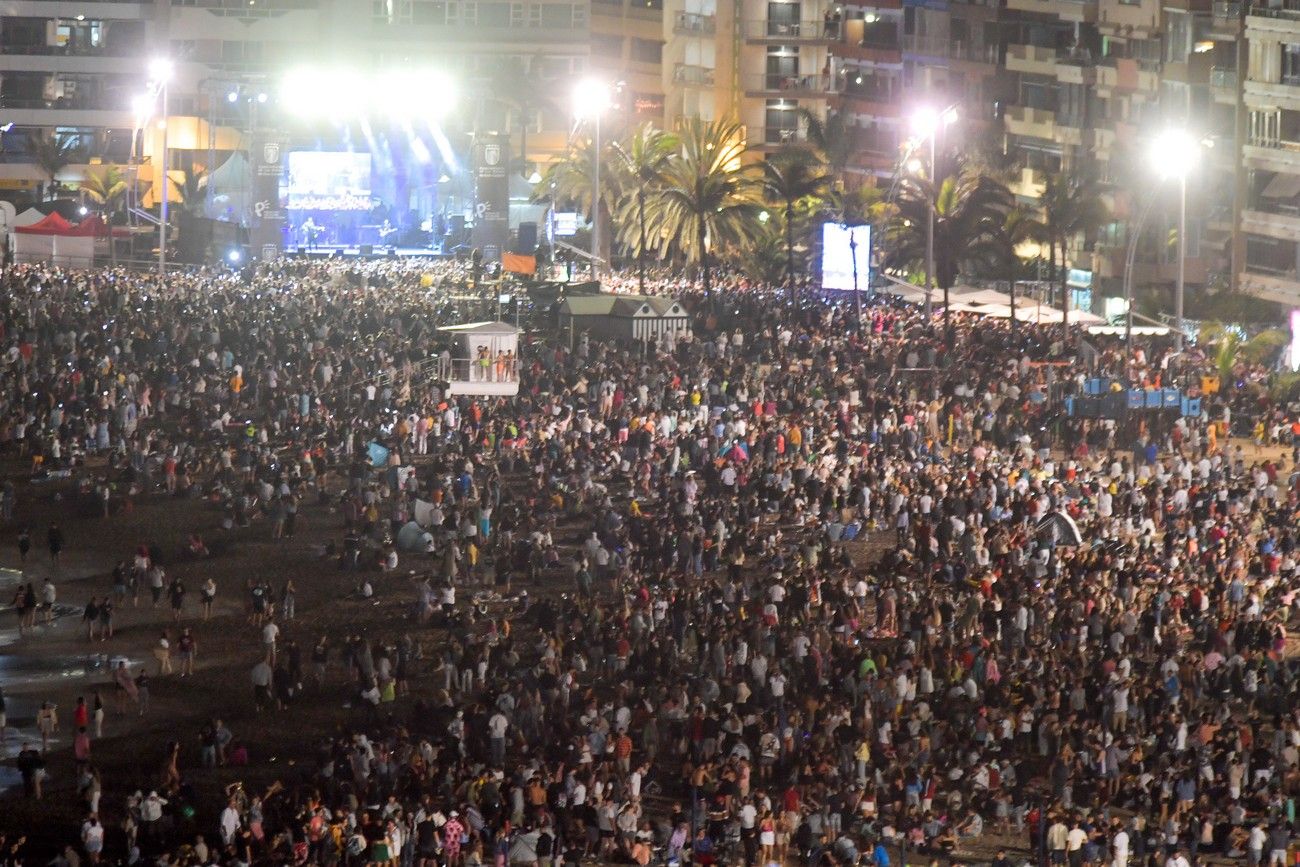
pixel 1174 153
pixel 83 210
pixel 160 69
pixel 590 98
pixel 928 120
pixel 232 96
pixel 262 97
pixel 535 177
pixel 233 257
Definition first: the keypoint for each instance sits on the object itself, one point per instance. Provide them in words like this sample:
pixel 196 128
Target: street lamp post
pixel 161 70
pixel 1174 154
pixel 928 123
pixel 590 98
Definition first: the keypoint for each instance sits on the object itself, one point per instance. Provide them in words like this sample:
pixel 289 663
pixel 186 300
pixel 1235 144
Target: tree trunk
pixel 640 259
pixel 704 265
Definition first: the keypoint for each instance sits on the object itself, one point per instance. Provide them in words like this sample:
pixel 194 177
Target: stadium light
pixel 1174 154
pixel 160 70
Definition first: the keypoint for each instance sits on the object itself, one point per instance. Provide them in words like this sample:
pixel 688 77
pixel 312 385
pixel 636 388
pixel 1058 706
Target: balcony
pixel 1032 59
pixel 796 86
pixel 871 99
pixel 1073 11
pixel 787 32
pixel 1225 19
pixel 1272 95
pixel 1031 122
pixel 771 137
pixel 693 76
pixel 692 24
pixel 1270 284
pixel 1274 155
pixel 1281 222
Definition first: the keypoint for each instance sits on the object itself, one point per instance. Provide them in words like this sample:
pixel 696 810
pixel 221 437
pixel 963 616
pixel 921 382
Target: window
pixel 555 16
pixel 1290 63
pixel 430 13
pixel 494 15
pixel 606 46
pixel 1178 36
pixel 647 50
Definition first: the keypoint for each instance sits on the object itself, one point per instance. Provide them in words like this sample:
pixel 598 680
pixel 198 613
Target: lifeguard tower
pixel 484 359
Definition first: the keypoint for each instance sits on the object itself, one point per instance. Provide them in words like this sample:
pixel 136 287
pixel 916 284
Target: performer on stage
pixel 311 233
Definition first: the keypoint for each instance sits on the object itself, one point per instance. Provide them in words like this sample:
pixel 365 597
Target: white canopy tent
pixel 29 217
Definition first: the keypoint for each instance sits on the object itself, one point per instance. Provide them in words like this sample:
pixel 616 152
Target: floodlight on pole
pixel 1174 154
pixel 927 123
pixel 160 69
pixel 590 99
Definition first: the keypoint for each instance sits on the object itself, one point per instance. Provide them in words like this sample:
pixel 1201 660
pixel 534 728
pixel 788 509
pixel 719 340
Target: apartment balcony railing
pixel 1287 9
pixel 792 31
pixel 1226 11
pixel 774 135
pixel 94 102
pixel 1275 144
pixel 806 83
pixel 7 47
pixel 1226 78
pixel 696 76
pixel 694 24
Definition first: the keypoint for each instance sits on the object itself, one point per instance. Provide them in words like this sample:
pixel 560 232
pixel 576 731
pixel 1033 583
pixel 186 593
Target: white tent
pixel 29 217
pixel 73 251
pixel 1083 317
pixel 979 296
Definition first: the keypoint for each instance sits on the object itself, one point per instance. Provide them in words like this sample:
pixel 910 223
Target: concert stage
pixel 363 251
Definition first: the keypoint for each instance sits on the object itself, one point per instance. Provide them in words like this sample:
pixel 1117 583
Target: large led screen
pixel 328 181
pixel 838 256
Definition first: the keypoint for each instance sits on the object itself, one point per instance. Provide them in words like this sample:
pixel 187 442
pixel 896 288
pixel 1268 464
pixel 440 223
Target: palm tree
pixel 645 155
pixel 970 210
pixel 765 260
pixel 106 188
pixel 51 152
pixel 569 180
pixel 790 176
pixel 706 201
pixel 1070 207
pixel 832 140
pixel 1021 225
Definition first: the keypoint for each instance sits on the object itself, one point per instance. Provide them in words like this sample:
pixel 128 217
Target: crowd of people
pixel 791 588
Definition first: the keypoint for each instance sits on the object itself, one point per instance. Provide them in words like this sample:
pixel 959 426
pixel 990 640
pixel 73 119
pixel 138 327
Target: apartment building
pixel 75 68
pixel 1270 212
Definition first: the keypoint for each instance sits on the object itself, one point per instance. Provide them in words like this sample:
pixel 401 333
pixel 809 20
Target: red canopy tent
pixel 51 225
pixel 94 227
pixel 55 240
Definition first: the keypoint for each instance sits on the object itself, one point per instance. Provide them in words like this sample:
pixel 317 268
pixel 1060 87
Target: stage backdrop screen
pixel 328 181
pixel 837 256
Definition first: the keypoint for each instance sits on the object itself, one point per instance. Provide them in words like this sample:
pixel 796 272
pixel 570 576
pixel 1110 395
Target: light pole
pixel 1128 276
pixel 590 99
pixel 927 123
pixel 141 108
pixel 1174 154
pixel 161 71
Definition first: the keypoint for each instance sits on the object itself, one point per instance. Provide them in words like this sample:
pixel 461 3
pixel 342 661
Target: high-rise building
pixel 1270 205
